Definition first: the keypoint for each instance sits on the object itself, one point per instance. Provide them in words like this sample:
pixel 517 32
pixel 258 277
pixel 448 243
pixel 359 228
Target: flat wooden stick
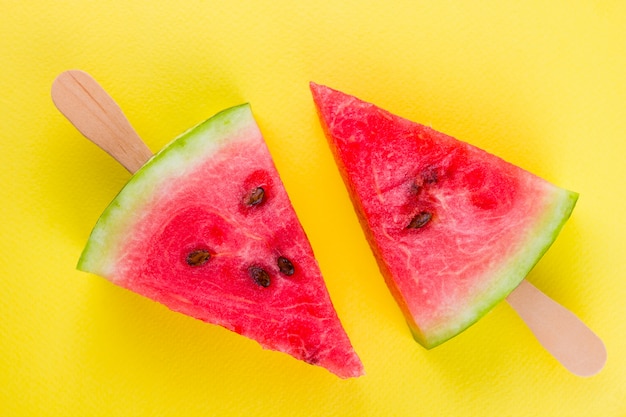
pixel 94 113
pixel 560 332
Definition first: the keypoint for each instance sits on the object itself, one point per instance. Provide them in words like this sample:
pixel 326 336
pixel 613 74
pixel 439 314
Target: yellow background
pixel 540 83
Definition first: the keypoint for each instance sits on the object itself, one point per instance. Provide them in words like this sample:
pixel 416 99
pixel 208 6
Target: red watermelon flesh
pixel 454 229
pixel 207 229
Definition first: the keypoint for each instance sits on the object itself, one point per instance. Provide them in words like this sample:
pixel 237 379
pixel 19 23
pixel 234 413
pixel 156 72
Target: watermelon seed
pixel 420 220
pixel 285 266
pixel 255 197
pixel 259 275
pixel 427 177
pixel 198 257
pixel 430 176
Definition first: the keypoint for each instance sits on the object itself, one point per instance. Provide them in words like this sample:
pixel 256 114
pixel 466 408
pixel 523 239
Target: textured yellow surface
pixel 541 84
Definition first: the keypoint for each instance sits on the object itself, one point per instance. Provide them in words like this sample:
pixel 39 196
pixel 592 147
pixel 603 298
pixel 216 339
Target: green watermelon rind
pixel 539 239
pixel 179 156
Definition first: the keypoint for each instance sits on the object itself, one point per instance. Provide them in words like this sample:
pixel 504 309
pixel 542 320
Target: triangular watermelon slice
pixel 206 228
pixel 454 229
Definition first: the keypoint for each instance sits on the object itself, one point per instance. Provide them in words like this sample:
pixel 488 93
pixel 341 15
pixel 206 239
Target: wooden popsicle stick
pixel 559 331
pixel 94 113
pixel 86 105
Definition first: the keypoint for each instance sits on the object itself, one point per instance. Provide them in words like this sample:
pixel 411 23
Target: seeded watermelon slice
pixel 206 228
pixel 454 229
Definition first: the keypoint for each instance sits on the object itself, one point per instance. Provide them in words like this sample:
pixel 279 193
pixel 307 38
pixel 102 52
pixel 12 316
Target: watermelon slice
pixel 454 229
pixel 206 228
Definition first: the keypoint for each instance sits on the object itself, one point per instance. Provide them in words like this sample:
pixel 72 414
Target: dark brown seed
pixel 259 275
pixel 285 266
pixel 430 176
pixel 198 257
pixel 255 197
pixel 420 220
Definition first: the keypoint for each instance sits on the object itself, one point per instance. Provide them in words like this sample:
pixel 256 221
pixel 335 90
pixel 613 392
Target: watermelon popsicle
pixel 454 229
pixel 196 229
